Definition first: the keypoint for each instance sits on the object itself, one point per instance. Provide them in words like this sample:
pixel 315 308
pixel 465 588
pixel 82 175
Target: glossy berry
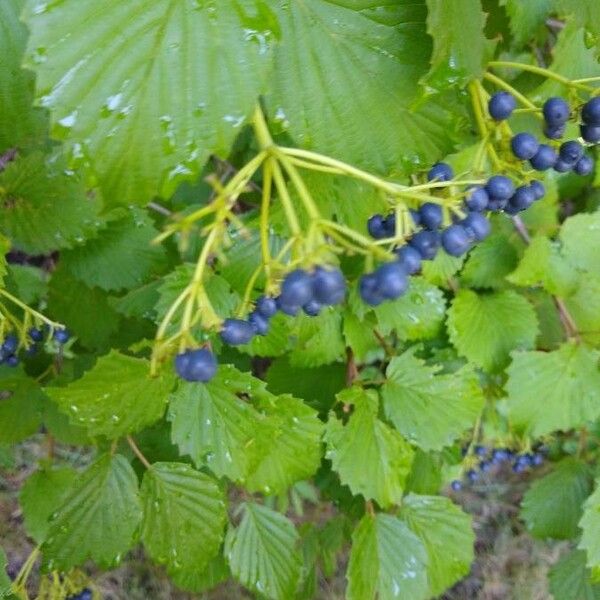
pixel 485 466
pixel 409 258
pixel 477 226
pixel 265 306
pixel 497 204
pixel 523 198
pixel 11 361
pixel 376 227
pixel 296 288
pixel 554 132
pixel 519 467
pixel 236 332
pixel 538 189
pixel 328 286
pixel 390 225
pixel 426 243
pixel 556 111
pixel 369 289
pixel 590 112
pixel 431 216
pixel 456 485
pixel 312 308
pixel 570 151
pixel 10 344
pixel 537 460
pixel 584 166
pixel 561 166
pixel 37 335
pixel 392 281
pixel 499 456
pixel 62 336
pixel 456 240
pixel 477 199
pixel 480 451
pixel 259 323
pixel 196 365
pixel 501 105
pixel 287 308
pixel 416 217
pixel 472 475
pixel 500 187
pixel 440 172
pixel 544 158
pixel 590 133
pixel 524 145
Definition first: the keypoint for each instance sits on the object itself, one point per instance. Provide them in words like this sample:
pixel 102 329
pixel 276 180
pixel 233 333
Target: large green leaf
pixel 153 88
pixel 526 18
pixel 428 409
pixel 184 516
pixel 554 390
pixel 485 328
pixel 262 552
pixel 553 505
pixel 590 527
pixel 371 458
pixel 387 561
pixel 98 518
pixel 446 533
pixel 584 307
pixel 581 243
pixel 351 98
pixel 116 397
pixel 570 579
pixel 586 13
pixel 197 581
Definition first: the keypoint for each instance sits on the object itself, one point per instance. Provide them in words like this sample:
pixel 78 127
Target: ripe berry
pixel 590 133
pixel 544 158
pixel 391 280
pixel 497 204
pixel 500 187
pixel 409 258
pixel 62 336
pixel 472 475
pixel 196 365
pixel 376 227
pixel 561 166
pixel 416 217
pixel 11 361
pixel 499 455
pixel 456 240
pixel 570 152
pixel 590 113
pixel 287 308
pixel 537 460
pixel 456 485
pixel 10 344
pixel 426 243
pixel 538 189
pixel 267 307
pixel 501 105
pixel 584 166
pixel 389 224
pixel 524 145
pixel 523 198
pixel 328 286
pixel 236 332
pixel 36 334
pixel 480 451
pixel 554 132
pixel 485 466
pixel 431 216
pixel 369 289
pixel 259 323
pixel 440 172
pixel 296 288
pixel 477 199
pixel 477 226
pixel 312 308
pixel 556 111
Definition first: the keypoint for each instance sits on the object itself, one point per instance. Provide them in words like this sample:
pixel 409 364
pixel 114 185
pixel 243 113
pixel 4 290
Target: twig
pixel 138 452
pixel 159 208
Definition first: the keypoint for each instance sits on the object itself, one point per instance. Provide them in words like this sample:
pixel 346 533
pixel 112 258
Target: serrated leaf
pixel 426 474
pixel 570 579
pixel 370 457
pixel 485 328
pixel 590 527
pixel 116 397
pixel 550 391
pixel 41 495
pixel 490 262
pixel 29 284
pixel 387 561
pixel 359 336
pixel 526 18
pixel 442 268
pixel 197 581
pixel 371 70
pixel 43 208
pixel 184 516
pixel 446 533
pixel 553 505
pixel 581 242
pixel 262 552
pixel 141 133
pixel 121 257
pixel 584 307
pixel 586 14
pixel 429 409
pixel 460 48
pixel 98 518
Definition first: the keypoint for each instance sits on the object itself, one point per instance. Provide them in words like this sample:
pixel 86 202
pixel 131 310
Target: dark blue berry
pixel 477 226
pixel 390 225
pixel 499 455
pixel 86 595
pixel 544 158
pixel 426 243
pixel 10 344
pixel 477 199
pixel 456 240
pixel 538 189
pixel 312 308
pixel 519 467
pixel 537 460
pixel 409 258
pixel 561 166
pixel 287 308
pixel 376 227
pixel 556 111
pixel 392 281
pixel 590 133
pixel 37 335
pixel 432 216
pixel 296 288
pixel 62 336
pixel 480 451
pixel 570 151
pixel 584 166
pixel 497 204
pixel 590 113
pixel 12 360
pixel 485 466
pixel 456 485
pixel 236 332
pixel 267 307
pixel 500 187
pixel 501 105
pixel 472 475
pixel 440 172
pixel 259 323
pixel 196 365
pixel 523 198
pixel 369 289
pixel 554 132
pixel 524 145
pixel 416 217
pixel 329 286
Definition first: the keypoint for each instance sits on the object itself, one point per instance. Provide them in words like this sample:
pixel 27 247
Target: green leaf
pixel 490 262
pixel 121 257
pixel 116 397
pixel 526 18
pixel 5 581
pixel 184 516
pixel 460 48
pixel 581 243
pixel 586 13
pixel 42 494
pixel 197 581
pixel 387 561
pixel 550 391
pixel 426 474
pixel 20 124
pixel 370 70
pixel 446 533
pixel 485 328
pixel 371 458
pixel 429 409
pixel 590 527
pixel 442 268
pixel 44 208
pixel 553 505
pixel 570 579
pixel 29 284
pixel 584 307
pixel 4 248
pixel 262 552
pixel 98 518
pixel 183 78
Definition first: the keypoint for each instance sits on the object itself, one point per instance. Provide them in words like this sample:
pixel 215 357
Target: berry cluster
pixel 10 346
pixel 85 594
pixel 489 459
